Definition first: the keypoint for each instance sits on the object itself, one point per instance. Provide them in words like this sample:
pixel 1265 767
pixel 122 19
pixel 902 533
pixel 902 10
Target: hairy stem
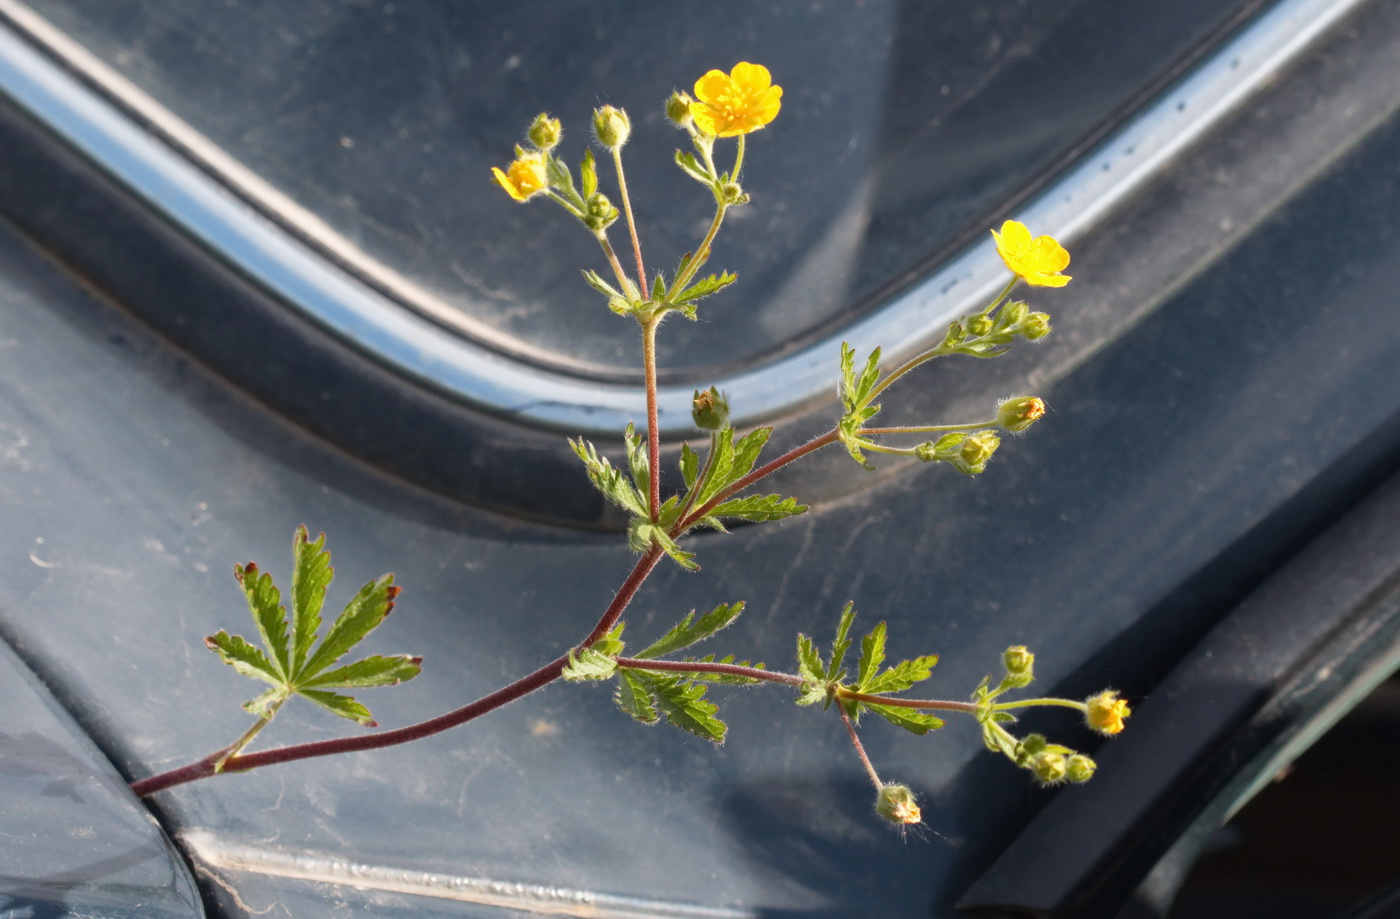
pixel 932 428
pixel 860 748
pixel 796 453
pixel 1025 703
pixel 616 264
pixel 631 224
pixel 653 420
pixel 754 673
pixel 942 705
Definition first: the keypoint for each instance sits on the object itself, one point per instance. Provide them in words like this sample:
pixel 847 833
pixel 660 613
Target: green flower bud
pixel 611 126
pixel 1019 661
pixel 678 109
pixel 1020 413
pixel 897 804
pixel 1036 325
pixel 733 194
pixel 978 325
pixel 926 451
pixel 710 410
pixel 1080 768
pixel 1031 746
pixel 956 335
pixel 976 449
pixel 600 214
pixel 545 132
pixel 1049 768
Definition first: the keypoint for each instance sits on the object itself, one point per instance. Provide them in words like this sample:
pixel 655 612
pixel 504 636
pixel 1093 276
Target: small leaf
pixel 705 287
pixel 634 696
pixel 247 659
pixel 611 644
pixel 903 675
pixel 596 282
pixel 809 666
pixel 690 466
pixel 841 643
pixel 638 461
pixel 642 534
pixel 872 655
pixel 609 480
pixel 746 452
pixel 588 174
pixel 586 664
pixel 691 167
pixel 758 508
pixel 379 670
pixel 912 720
pixel 344 706
pixel 685 706
pixel 263 705
pixel 362 615
pixel 265 603
pixel 684 634
pixel 311 573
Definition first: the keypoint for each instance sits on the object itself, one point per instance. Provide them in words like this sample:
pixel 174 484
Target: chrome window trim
pixel 192 199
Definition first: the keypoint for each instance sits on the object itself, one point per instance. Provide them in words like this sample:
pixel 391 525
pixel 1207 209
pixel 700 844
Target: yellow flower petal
pixel 1038 261
pixel 1106 712
pixel 738 102
pixel 526 177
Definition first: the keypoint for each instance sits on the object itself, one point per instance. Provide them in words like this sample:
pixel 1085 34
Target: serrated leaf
pixel 588 174
pixel 361 615
pixel 903 675
pixel 611 644
pixel 263 705
pixel 872 655
pixel 912 720
pixel 586 664
pixel 609 480
pixel 809 667
pixel 311 573
pixel 746 452
pixel 758 508
pixel 246 658
pixel 685 706
pixel 841 644
pixel 869 377
pixel 690 466
pixel 638 463
pixel 635 697
pixel 344 706
pixel 705 287
pixel 265 603
pixel 642 534
pixel 686 633
pixel 721 460
pixel 378 670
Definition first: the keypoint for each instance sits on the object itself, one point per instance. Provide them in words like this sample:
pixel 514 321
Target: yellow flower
pixel 525 178
pixel 1106 712
pixel 737 102
pixel 1037 261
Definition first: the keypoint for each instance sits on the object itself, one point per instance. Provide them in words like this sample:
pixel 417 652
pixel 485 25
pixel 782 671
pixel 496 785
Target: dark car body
pixel 248 286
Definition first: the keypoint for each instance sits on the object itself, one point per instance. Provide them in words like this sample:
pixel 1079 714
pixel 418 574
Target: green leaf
pixel 247 659
pixel 635 697
pixel 841 644
pixel 265 603
pixel 912 720
pixel 705 287
pixel 263 705
pixel 609 480
pixel 686 633
pixel 872 655
pixel 311 573
pixel 588 174
pixel 587 664
pixel 685 706
pixel 379 670
pixel 809 667
pixel 596 282
pixel 642 534
pixel 721 460
pixel 344 706
pixel 903 675
pixel 638 463
pixel 690 466
pixel 611 644
pixel 746 452
pixel 758 508
pixel 691 167
pixel 362 615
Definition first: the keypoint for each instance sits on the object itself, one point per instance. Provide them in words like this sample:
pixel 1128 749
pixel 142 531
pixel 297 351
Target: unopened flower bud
pixel 976 449
pixel 710 410
pixel 956 335
pixel 1080 768
pixel 611 126
pixel 601 213
pixel 1106 712
pixel 1029 747
pixel 897 804
pixel 1049 767
pixel 1036 325
pixel 1019 661
pixel 545 132
pixel 678 109
pixel 978 325
pixel 733 194
pixel 1020 413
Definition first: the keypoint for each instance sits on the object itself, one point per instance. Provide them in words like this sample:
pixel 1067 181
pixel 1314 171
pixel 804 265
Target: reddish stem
pixel 756 673
pixel 796 453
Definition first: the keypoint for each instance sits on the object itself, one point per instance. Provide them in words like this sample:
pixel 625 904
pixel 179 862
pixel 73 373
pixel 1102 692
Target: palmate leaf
pixel 872 655
pixel 265 603
pixel 705 287
pixel 645 695
pixel 689 631
pixel 377 670
pixel 344 706
pixel 903 675
pixel 841 644
pixel 809 667
pixel 362 615
pixel 247 659
pixel 609 480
